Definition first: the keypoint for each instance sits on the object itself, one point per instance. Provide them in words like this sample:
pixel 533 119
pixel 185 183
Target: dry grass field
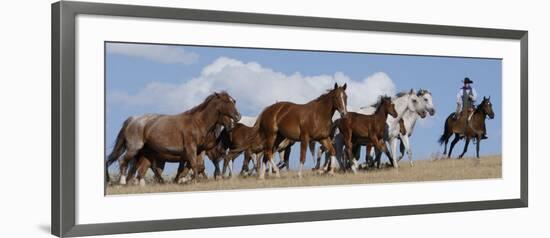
pixel 424 170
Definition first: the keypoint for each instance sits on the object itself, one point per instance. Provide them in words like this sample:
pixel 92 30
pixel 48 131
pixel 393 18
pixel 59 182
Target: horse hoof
pixel 261 177
pixel 122 180
pixel 331 173
pixel 142 182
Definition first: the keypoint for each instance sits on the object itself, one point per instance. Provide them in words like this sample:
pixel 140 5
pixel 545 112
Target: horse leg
pixel 465 147
pixel 287 157
pixel 225 165
pixel 393 148
pixel 304 142
pixel 132 170
pixel 381 146
pixel 182 169
pixel 317 160
pixel 231 167
pixel 369 159
pixel 123 164
pixel 143 165
pixel 158 167
pixel 191 155
pixel 407 145
pixel 328 145
pixel 453 143
pixel 268 152
pixel 281 163
pixel 477 145
pixel 378 156
pixel 246 161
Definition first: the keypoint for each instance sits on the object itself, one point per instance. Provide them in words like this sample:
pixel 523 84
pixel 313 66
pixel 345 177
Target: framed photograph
pixel 168 118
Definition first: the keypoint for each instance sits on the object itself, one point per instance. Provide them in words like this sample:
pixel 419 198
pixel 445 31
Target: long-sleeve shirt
pixel 460 94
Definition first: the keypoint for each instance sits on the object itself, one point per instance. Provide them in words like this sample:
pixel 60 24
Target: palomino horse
pixel 176 138
pixel 358 128
pixel 461 128
pixel 300 122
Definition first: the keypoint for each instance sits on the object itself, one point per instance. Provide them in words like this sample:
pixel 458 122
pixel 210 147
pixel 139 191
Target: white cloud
pixel 158 53
pixel 254 87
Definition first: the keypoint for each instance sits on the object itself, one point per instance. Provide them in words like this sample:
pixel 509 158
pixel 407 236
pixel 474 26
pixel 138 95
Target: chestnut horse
pixel 461 128
pixel 176 138
pixel 357 128
pixel 300 122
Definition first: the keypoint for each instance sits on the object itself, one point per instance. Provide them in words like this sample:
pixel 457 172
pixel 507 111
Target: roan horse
pixel 177 138
pixel 461 128
pixel 300 122
pixel 358 128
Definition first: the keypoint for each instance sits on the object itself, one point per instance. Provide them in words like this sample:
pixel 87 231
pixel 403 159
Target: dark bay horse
pixel 461 128
pixel 246 140
pixel 360 129
pixel 300 122
pixel 177 138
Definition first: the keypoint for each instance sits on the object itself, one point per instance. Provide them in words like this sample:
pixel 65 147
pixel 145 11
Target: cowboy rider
pixel 465 99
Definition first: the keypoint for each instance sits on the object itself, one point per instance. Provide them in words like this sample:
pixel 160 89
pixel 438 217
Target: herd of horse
pixel 214 129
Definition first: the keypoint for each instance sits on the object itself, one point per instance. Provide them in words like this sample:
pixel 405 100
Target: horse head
pixel 228 114
pixel 415 104
pixel 388 106
pixel 426 96
pixel 487 107
pixel 340 98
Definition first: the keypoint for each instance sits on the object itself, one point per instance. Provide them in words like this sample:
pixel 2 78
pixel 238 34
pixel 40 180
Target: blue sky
pixel 167 79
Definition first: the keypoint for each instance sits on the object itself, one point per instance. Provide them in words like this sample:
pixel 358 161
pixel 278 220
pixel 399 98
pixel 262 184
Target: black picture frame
pixel 64 108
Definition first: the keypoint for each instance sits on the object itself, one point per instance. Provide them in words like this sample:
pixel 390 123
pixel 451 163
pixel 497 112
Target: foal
pixel 357 128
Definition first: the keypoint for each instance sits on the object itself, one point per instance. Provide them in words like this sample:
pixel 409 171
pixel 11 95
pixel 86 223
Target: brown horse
pixel 176 138
pixel 300 122
pixel 357 128
pixel 213 148
pixel 462 128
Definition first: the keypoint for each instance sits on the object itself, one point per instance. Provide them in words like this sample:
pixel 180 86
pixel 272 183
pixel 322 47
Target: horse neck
pixel 208 117
pixel 479 113
pixel 381 114
pixel 324 106
pixel 401 106
pixel 409 119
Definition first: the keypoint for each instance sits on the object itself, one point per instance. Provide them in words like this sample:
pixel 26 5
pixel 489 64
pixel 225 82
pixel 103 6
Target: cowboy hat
pixel 467 80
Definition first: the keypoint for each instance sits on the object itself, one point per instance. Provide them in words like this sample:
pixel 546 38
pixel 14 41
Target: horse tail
pixel 118 150
pixel 445 135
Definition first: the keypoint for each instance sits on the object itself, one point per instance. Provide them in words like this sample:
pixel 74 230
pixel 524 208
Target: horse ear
pixel 489 98
pixel 345 86
pixel 335 85
pixel 412 91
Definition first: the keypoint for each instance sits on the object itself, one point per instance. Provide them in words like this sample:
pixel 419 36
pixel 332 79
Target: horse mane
pixel 421 92
pixel 329 91
pixel 205 103
pixel 479 107
pixel 378 103
pixel 402 93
